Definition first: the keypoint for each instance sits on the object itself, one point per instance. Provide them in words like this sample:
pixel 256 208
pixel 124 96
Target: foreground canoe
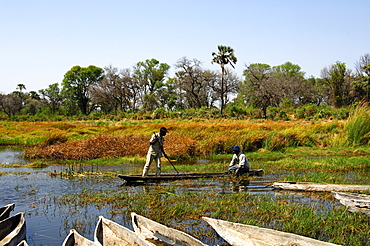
pixel 23 243
pixel 108 232
pixel 13 230
pixel 5 211
pixel 308 186
pixel 241 235
pixel 357 203
pixel 75 239
pixel 158 234
pixel 179 176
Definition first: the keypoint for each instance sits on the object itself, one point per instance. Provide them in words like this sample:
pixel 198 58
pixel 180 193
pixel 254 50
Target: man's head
pixel 236 149
pixel 163 131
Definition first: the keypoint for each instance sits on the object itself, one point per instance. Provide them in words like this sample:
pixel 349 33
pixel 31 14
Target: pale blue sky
pixel 42 39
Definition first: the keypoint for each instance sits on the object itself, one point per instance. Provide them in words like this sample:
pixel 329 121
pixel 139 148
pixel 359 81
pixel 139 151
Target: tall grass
pixel 358 126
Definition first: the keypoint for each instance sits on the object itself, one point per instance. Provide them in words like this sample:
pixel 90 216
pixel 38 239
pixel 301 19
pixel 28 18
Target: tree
pixel 362 82
pixel 77 84
pixel 10 104
pixel 256 87
pixel 151 75
pixel 52 96
pixel 192 83
pixel 224 56
pixel 335 75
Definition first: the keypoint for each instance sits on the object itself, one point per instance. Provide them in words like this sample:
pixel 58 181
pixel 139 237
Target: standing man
pixel 155 151
pixel 239 163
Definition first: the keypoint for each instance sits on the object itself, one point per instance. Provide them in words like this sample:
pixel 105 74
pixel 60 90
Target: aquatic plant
pixel 358 126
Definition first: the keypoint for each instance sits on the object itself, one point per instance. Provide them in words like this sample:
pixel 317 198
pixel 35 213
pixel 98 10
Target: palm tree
pixel 224 56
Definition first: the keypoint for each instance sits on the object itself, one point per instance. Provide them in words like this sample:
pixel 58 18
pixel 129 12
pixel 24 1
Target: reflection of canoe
pixel 354 202
pixel 75 239
pixel 240 234
pixel 179 176
pixel 5 211
pixel 108 232
pixel 308 186
pixel 158 233
pixel 13 230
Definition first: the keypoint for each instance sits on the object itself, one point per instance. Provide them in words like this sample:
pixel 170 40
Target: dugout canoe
pixel 356 203
pixel 238 234
pixel 108 232
pixel 13 230
pixel 76 239
pixel 160 234
pixel 179 176
pixel 308 186
pixel 5 211
pixel 23 243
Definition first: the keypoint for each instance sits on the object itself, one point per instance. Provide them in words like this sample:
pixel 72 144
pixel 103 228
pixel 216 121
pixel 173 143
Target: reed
pixel 358 126
pixel 167 206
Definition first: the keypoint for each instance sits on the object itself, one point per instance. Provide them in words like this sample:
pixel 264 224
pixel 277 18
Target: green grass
pixel 168 207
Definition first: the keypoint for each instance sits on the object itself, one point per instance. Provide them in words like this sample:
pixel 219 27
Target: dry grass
pixel 109 146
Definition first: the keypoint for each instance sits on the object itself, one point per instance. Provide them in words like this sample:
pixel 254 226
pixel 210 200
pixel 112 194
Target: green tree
pixel 334 76
pixel 78 83
pixel 256 88
pixel 52 96
pixel 224 56
pixel 151 75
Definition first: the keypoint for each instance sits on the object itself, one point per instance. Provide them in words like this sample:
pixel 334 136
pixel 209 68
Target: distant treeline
pixel 147 91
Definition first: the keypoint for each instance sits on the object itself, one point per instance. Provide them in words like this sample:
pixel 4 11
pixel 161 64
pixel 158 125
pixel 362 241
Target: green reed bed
pixel 334 224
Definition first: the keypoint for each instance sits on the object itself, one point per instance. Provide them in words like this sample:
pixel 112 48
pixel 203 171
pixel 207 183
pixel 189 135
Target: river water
pixel 33 191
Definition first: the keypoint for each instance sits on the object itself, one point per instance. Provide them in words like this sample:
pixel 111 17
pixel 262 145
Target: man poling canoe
pixel 155 151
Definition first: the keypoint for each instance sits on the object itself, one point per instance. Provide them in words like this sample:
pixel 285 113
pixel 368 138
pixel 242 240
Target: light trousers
pixel 149 159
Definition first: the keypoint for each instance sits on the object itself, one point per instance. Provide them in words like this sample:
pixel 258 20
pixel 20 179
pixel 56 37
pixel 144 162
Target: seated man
pixel 239 163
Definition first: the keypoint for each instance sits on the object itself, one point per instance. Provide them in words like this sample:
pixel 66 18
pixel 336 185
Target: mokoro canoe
pixel 179 176
pixel 240 235
pixel 23 243
pixel 13 230
pixel 308 186
pixel 108 232
pixel 357 203
pixel 5 211
pixel 75 239
pixel 157 233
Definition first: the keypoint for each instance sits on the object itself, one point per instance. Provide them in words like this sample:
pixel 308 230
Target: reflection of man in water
pixel 239 163
pixel 155 151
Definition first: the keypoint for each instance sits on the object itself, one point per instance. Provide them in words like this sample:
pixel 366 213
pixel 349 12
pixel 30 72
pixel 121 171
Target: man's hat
pixel 236 148
pixel 163 129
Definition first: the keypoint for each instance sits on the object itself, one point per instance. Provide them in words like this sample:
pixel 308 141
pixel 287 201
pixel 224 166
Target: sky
pixel 40 40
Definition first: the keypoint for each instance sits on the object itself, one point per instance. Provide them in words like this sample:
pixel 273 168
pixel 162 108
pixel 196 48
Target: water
pixel 34 192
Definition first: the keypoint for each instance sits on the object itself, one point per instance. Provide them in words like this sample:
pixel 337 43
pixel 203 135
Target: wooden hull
pixel 13 230
pixel 243 235
pixel 5 211
pixel 75 239
pixel 307 186
pixel 158 233
pixel 180 176
pixel 23 243
pixel 108 233
pixel 355 202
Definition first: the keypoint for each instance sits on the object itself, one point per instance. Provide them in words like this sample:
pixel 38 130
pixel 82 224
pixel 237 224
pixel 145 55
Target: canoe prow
pixel 108 232
pixel 156 232
pixel 240 235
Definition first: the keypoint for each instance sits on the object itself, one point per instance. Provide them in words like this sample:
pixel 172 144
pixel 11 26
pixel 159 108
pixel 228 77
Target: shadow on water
pixel 36 193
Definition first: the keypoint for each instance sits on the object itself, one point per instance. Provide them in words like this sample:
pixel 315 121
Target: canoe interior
pixel 13 230
pixel 5 211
